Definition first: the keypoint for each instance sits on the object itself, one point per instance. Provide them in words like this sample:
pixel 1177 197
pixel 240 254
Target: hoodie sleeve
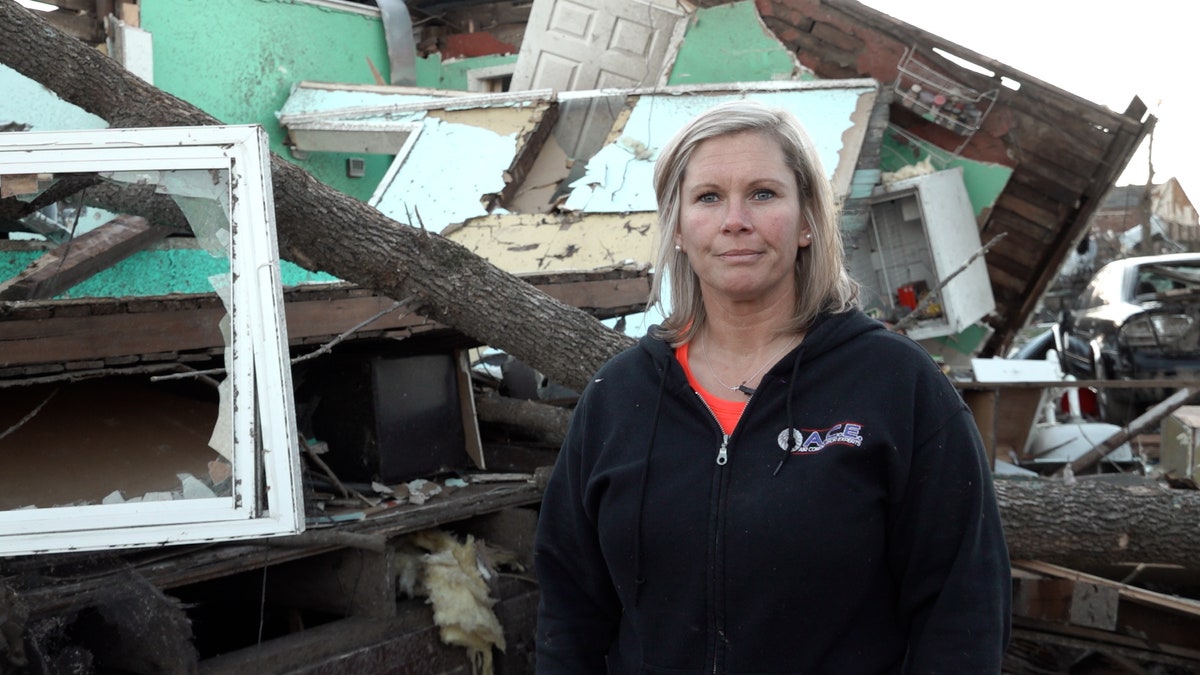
pixel 579 609
pixel 948 551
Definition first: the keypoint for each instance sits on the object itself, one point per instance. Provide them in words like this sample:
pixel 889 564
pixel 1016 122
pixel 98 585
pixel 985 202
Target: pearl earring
pixel 808 235
pixel 678 247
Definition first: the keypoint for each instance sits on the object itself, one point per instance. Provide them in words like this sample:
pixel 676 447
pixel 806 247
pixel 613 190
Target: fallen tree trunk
pixel 1098 522
pixel 322 229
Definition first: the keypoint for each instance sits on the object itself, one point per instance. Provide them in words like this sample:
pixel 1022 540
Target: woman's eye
pixel 707 197
pixel 763 194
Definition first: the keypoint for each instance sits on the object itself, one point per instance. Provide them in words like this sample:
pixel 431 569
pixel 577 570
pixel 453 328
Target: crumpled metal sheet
pixel 401 47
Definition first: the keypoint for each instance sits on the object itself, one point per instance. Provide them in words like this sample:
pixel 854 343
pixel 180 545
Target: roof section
pixel 1065 152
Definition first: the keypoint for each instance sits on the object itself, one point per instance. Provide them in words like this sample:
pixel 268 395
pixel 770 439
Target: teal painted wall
pixel 154 272
pixel 728 44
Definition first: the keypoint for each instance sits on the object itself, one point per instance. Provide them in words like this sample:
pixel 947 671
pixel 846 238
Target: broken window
pixel 132 461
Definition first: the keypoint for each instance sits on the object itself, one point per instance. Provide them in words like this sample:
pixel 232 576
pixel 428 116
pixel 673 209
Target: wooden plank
pixel 80 258
pixel 1020 234
pixel 1066 601
pixel 78 330
pixel 1041 173
pixel 189 565
pixel 1080 384
pixel 1043 221
pixel 529 146
pixel 1037 199
pixel 1104 642
pixel 407 645
pixel 1144 422
pixel 604 296
pixel 83 27
pixel 346 582
pixel 1016 246
pixel 1184 606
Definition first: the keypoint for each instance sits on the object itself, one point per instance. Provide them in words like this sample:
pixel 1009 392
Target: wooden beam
pixel 82 257
pixel 528 149
pixel 83 27
pixel 77 331
pixel 1144 422
pixel 1175 604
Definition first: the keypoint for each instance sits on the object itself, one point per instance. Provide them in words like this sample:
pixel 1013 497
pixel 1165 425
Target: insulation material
pixel 453 576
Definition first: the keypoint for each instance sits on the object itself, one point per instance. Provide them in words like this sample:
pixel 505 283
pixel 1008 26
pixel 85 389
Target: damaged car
pixel 1138 319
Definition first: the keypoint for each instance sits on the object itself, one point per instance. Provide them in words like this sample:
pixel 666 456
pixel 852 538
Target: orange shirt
pixel 727 412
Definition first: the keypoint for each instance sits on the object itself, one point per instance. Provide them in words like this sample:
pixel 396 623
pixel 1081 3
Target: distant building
pixel 1115 231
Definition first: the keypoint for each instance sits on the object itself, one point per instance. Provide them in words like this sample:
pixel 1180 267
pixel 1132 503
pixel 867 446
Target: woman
pixel 769 482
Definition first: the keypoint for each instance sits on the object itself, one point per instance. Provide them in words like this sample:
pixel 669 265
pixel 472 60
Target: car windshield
pixel 1167 280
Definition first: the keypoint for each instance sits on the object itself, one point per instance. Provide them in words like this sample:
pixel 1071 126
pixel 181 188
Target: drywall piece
pixel 619 177
pixel 434 183
pixel 524 244
pixel 425 190
pixel 574 46
pixel 219 177
pixel 349 118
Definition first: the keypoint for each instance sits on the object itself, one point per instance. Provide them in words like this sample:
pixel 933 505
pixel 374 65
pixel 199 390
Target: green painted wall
pixel 452 75
pixel 729 44
pixel 984 181
pixel 239 59
pixel 154 272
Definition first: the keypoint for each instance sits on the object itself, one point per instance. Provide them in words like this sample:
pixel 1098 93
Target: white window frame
pixel 260 404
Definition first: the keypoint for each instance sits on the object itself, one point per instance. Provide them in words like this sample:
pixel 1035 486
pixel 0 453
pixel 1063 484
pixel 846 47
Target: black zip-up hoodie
pixel 876 547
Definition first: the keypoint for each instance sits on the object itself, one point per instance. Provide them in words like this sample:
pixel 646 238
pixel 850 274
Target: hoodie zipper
pixel 722 460
pixel 723 451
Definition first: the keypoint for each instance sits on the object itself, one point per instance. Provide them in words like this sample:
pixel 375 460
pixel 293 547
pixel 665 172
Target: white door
pixel 598 44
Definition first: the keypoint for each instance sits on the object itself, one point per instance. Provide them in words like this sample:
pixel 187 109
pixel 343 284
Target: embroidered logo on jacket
pixel 810 441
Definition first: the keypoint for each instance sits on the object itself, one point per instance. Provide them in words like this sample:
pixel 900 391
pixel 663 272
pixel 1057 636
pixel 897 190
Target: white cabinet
pixel 920 231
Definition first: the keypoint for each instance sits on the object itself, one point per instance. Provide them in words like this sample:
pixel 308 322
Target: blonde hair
pixel 822 283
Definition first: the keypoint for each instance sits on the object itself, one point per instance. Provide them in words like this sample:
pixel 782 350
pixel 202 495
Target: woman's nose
pixel 737 216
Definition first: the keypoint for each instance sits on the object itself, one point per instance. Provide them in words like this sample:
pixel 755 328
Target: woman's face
pixel 740 222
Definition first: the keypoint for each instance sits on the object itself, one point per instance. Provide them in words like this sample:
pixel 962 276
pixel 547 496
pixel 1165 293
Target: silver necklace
pixel 749 391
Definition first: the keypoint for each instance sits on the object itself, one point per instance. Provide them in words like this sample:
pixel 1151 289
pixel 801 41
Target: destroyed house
pixel 507 144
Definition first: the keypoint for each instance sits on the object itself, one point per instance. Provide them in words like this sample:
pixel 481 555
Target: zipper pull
pixel 723 453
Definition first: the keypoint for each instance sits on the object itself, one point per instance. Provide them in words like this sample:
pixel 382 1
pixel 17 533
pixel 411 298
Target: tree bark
pixel 1096 522
pixel 322 229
